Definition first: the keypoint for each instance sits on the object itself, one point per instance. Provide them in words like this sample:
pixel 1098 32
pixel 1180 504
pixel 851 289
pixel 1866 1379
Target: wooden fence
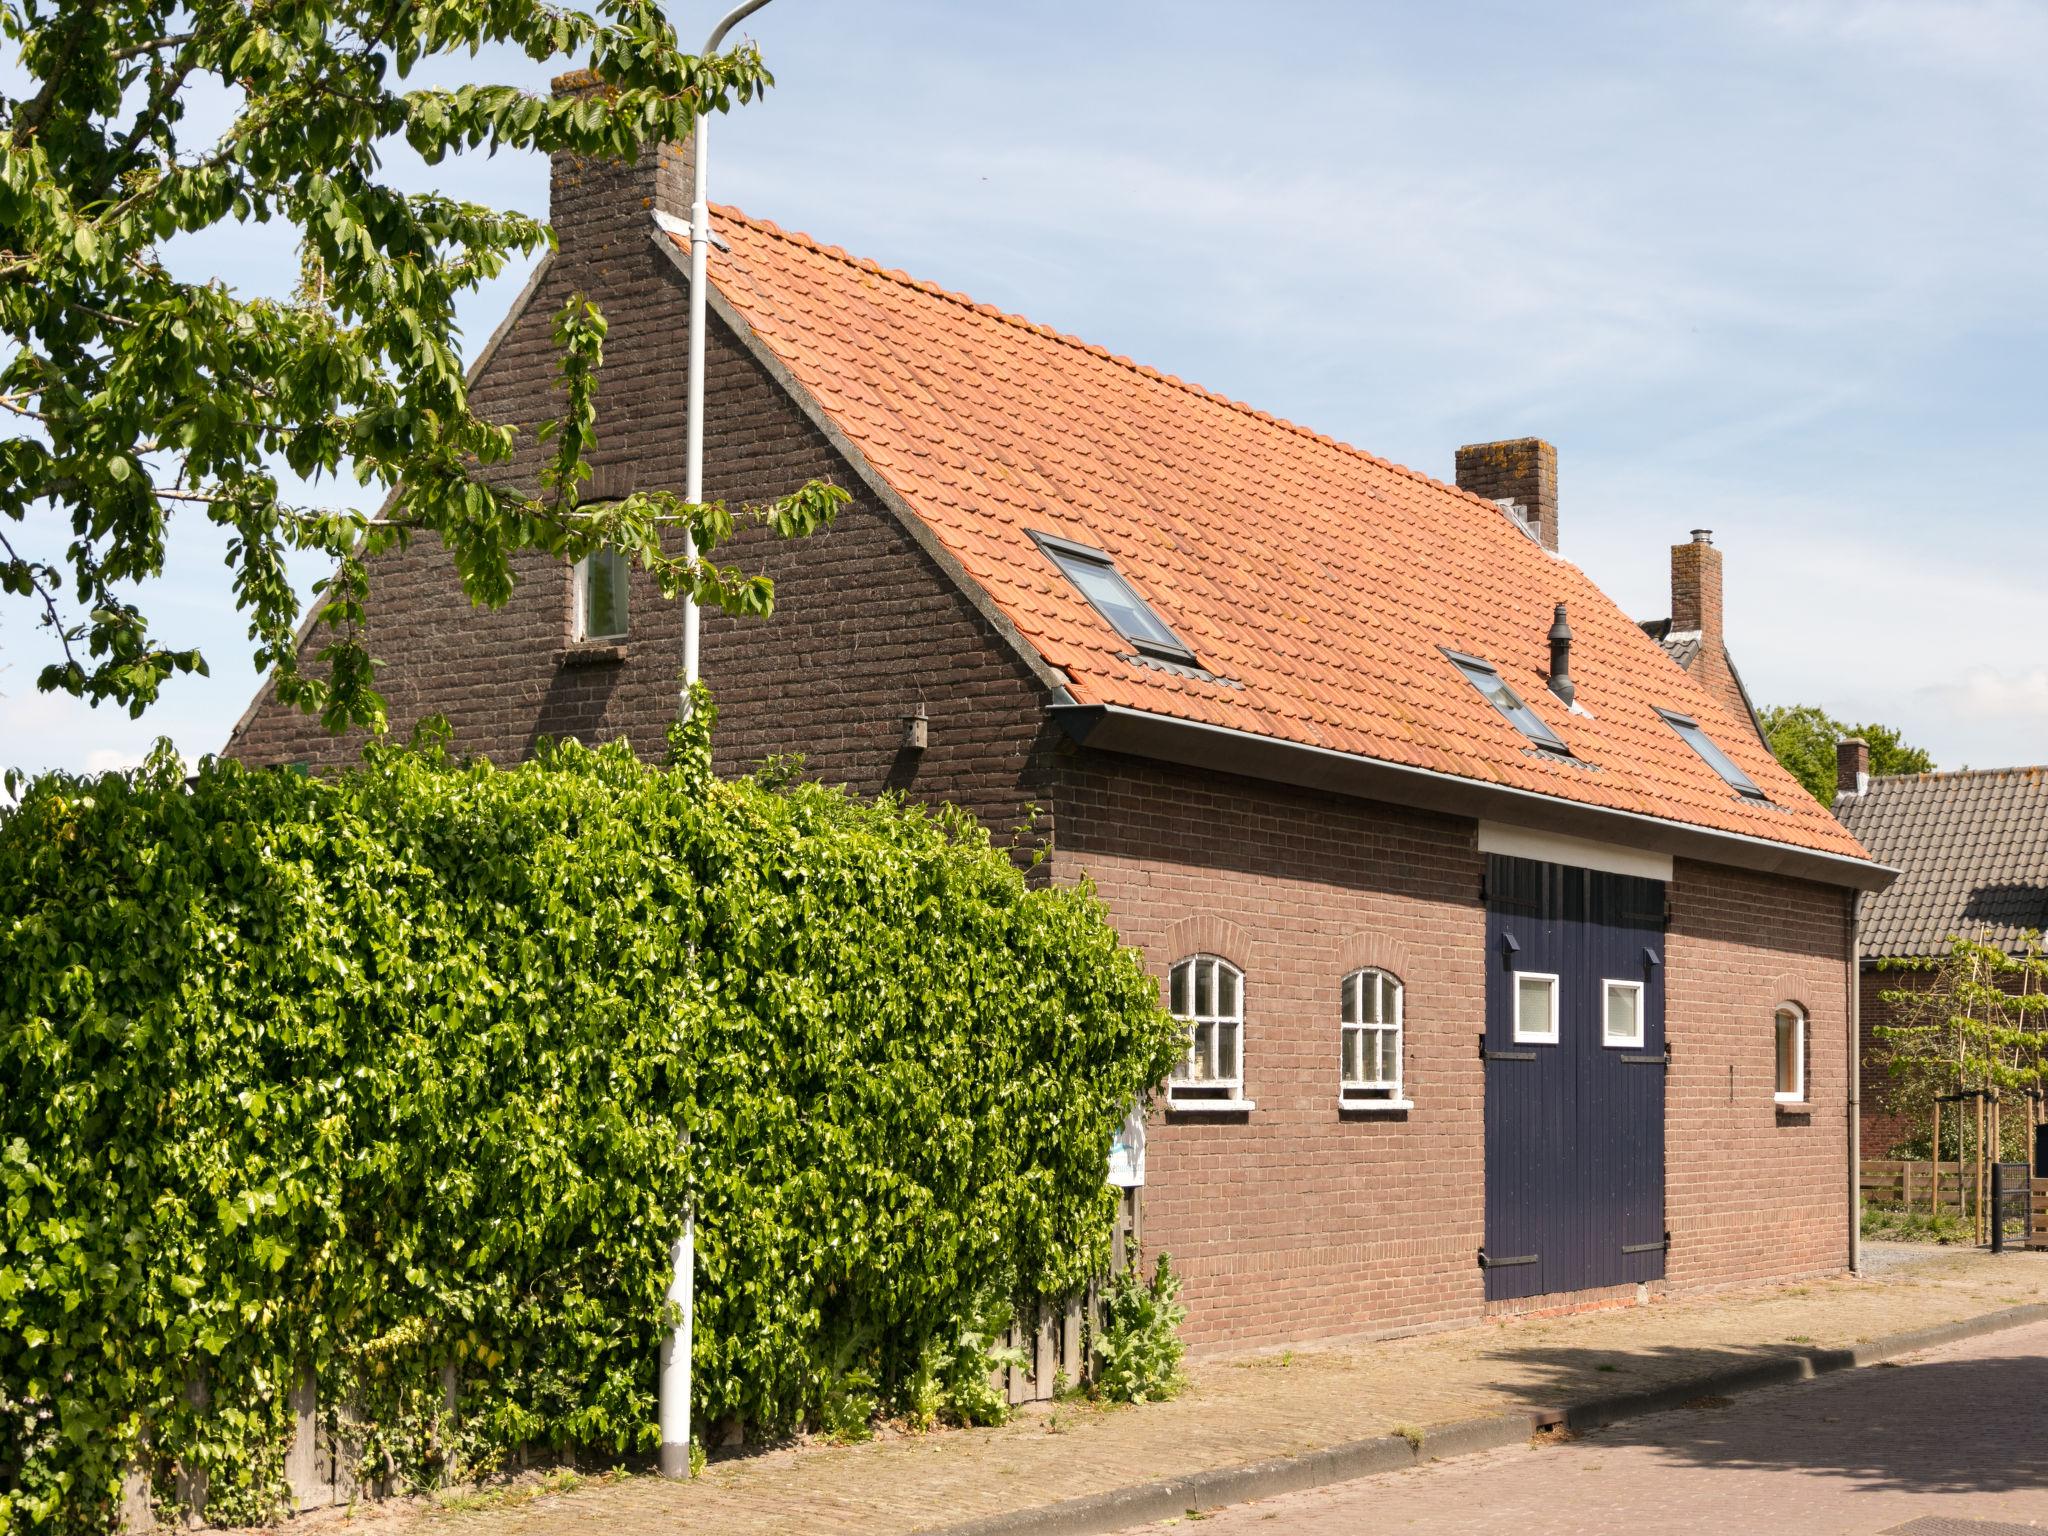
pixel 1057 1338
pixel 324 1470
pixel 1910 1184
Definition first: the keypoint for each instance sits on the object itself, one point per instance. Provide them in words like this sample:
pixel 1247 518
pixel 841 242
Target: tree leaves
pixel 388 1072
pixel 1803 737
pixel 135 394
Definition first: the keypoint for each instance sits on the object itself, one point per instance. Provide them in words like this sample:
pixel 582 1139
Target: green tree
pixel 133 393
pixel 1804 736
pixel 1978 1022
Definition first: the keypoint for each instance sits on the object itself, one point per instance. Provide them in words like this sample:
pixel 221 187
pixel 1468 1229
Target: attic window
pixel 1483 676
pixel 1098 579
pixel 1716 759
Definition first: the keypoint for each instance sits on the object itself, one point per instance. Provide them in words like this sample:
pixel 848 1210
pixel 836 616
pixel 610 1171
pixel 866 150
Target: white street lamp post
pixel 673 1396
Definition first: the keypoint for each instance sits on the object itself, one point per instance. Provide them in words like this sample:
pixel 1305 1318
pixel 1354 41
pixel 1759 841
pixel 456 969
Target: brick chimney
pixel 1521 472
pixel 595 204
pixel 1696 610
pixel 1852 766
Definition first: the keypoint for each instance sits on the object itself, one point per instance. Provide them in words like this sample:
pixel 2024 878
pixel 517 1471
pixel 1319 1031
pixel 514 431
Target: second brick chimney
pixel 1520 473
pixel 1696 610
pixel 1852 766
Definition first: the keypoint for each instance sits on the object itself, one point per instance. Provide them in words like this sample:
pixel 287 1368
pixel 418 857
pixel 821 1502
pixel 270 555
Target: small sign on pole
pixel 1127 1151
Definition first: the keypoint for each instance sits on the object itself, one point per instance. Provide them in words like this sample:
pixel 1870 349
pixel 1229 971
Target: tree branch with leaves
pixel 132 393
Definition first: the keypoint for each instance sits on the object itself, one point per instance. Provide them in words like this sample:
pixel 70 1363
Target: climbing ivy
pixel 384 1079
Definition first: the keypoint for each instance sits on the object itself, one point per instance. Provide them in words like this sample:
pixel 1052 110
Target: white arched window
pixel 1791 1033
pixel 1206 993
pixel 1369 1035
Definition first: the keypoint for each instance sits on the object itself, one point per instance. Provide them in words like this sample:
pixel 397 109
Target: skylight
pixel 1716 759
pixel 1489 682
pixel 1098 579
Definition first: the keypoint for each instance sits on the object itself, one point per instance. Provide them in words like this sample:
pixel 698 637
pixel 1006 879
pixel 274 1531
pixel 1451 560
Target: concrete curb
pixel 1097 1514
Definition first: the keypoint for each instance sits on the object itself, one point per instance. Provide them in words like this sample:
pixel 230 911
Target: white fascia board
pixel 1580 853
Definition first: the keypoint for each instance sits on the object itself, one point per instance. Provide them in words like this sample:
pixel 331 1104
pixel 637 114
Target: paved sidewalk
pixel 1253 1408
pixel 1953 1437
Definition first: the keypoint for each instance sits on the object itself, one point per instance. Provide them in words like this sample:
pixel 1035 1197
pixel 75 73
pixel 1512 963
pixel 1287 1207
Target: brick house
pixel 1503 988
pixel 1971 849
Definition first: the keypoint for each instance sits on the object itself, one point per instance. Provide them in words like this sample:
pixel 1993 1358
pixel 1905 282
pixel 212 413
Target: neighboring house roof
pixel 1316 584
pixel 1972 854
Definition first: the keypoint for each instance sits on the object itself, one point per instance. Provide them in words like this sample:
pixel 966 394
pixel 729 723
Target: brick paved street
pixel 1242 1410
pixel 1959 1433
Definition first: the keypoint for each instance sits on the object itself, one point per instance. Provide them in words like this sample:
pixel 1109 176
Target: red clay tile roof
pixel 1317 580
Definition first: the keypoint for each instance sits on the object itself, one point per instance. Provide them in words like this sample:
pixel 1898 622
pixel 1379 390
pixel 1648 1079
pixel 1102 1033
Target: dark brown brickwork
pixel 1299 1221
pixel 866 629
pixel 1522 470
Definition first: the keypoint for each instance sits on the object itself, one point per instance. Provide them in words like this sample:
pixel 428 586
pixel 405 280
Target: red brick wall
pixel 1884 1123
pixel 1752 1190
pixel 866 625
pixel 1298 1221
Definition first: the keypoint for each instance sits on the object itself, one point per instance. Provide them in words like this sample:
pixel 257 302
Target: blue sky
pixel 1778 270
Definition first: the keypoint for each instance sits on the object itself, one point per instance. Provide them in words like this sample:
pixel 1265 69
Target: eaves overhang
pixel 1138 733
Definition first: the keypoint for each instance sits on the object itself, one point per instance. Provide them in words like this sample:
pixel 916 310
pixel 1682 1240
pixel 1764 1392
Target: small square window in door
pixel 1535 1009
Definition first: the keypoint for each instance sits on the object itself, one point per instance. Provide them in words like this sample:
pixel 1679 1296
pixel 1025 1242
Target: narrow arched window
pixel 1206 993
pixel 601 579
pixel 1369 1040
pixel 1791 1042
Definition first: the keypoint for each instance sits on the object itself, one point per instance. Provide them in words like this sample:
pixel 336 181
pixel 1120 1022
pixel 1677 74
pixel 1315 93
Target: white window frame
pixel 1797 1095
pixel 1522 1038
pixel 1607 988
pixel 1383 1093
pixel 580 576
pixel 1223 1092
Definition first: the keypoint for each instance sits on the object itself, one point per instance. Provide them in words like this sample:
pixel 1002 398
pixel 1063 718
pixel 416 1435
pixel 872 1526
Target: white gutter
pixel 673 1394
pixel 1855 1095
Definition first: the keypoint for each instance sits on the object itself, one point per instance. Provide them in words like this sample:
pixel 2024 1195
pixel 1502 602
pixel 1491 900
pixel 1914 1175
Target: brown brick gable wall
pixel 1298 1221
pixel 866 627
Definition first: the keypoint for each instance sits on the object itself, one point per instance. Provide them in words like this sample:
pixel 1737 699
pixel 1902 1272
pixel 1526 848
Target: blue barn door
pixel 1575 1101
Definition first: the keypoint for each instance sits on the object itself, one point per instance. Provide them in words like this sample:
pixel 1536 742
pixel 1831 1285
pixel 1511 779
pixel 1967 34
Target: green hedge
pixel 383 1073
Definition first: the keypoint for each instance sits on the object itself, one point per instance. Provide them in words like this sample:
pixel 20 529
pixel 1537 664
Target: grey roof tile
pixel 1972 853
pixel 1683 647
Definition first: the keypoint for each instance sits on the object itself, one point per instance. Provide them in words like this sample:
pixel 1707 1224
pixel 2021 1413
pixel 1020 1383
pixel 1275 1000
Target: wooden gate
pixel 1574 1101
pixel 1057 1339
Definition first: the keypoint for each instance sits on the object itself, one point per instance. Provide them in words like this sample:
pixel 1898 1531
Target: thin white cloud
pixel 2002 696
pixel 2003 38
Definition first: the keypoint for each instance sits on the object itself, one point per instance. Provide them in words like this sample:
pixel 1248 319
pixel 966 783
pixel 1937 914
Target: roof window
pixel 1098 579
pixel 1487 679
pixel 1716 759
